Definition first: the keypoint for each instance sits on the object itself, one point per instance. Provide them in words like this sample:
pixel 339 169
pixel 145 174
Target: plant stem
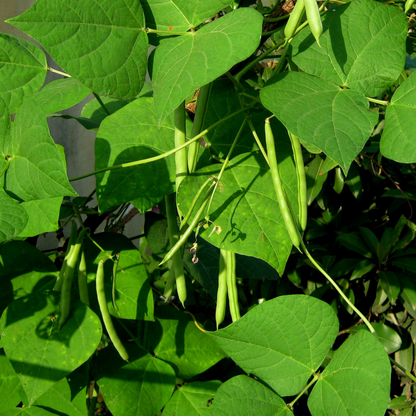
pixel 276 19
pixel 410 375
pixel 291 404
pixel 258 59
pixel 337 288
pixel 163 155
pixel 58 72
pixel 257 139
pixel 374 100
pixel 166 32
pixel 98 98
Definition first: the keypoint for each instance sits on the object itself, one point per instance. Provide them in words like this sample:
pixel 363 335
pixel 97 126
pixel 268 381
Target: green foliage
pixel 323 324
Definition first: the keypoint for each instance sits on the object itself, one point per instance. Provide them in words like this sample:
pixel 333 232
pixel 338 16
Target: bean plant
pixel 272 156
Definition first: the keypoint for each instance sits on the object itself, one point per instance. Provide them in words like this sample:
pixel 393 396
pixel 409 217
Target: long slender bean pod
pixel 181 159
pixel 222 290
pixel 170 284
pixel 67 280
pixel 232 285
pixel 71 242
pixel 200 112
pixel 184 237
pixel 173 230
pixel 82 279
pixel 278 187
pixel 294 19
pixel 301 178
pixel 314 19
pixel 105 313
pixel 113 289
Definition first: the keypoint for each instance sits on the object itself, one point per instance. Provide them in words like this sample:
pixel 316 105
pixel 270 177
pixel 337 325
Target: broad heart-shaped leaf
pixel 181 15
pixel 13 217
pixel 9 384
pixel 356 381
pixel 338 121
pixel 27 411
pixel 185 63
pixel 5 135
pixel 19 278
pixel 60 94
pixel 22 69
pixel 101 43
pixel 363 47
pixel 40 354
pixel 397 141
pixel 245 206
pixel 243 395
pixel 130 134
pixel 36 170
pixel 175 339
pixel 192 399
pixel 68 395
pixel 140 388
pixel 282 341
pixel 133 293
pixel 43 216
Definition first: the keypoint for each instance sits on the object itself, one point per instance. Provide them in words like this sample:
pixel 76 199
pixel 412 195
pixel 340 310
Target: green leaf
pixel 336 120
pixel 19 278
pixel 139 388
pixel 179 14
pixel 43 216
pixel 102 45
pixel 362 47
pixel 185 63
pixel 354 242
pixel 245 206
pixel 133 133
pixel 60 94
pixel 281 341
pixel 68 395
pixel 9 384
pixel 36 170
pixel 315 179
pixel 27 411
pixel 193 399
pixel 13 217
pixel 32 341
pixel 356 381
pixel 242 395
pixel 22 70
pixel 174 338
pixel 134 297
pixel 156 233
pixel 396 142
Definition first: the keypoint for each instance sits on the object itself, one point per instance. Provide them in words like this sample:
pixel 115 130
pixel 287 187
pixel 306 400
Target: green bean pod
pixel 71 243
pixel 113 288
pixel 408 5
pixel 82 279
pixel 108 323
pixel 301 179
pixel 67 280
pixel 232 285
pixel 181 158
pixel 170 284
pixel 295 19
pixel 314 19
pixel 222 290
pixel 278 187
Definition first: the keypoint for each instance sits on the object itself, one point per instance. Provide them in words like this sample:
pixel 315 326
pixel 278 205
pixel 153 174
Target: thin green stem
pixel 337 288
pixel 225 164
pixel 98 98
pixel 163 155
pixel 236 83
pixel 410 375
pixel 6 166
pixel 55 71
pixel 166 32
pixel 292 403
pixel 276 19
pixel 374 100
pixel 259 58
pixel 257 139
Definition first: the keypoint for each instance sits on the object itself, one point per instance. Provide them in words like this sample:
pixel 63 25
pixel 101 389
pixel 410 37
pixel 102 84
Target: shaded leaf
pixel 13 217
pixel 9 384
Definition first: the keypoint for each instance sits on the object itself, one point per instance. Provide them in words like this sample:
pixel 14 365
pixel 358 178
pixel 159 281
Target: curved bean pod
pixel 314 19
pixel 222 290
